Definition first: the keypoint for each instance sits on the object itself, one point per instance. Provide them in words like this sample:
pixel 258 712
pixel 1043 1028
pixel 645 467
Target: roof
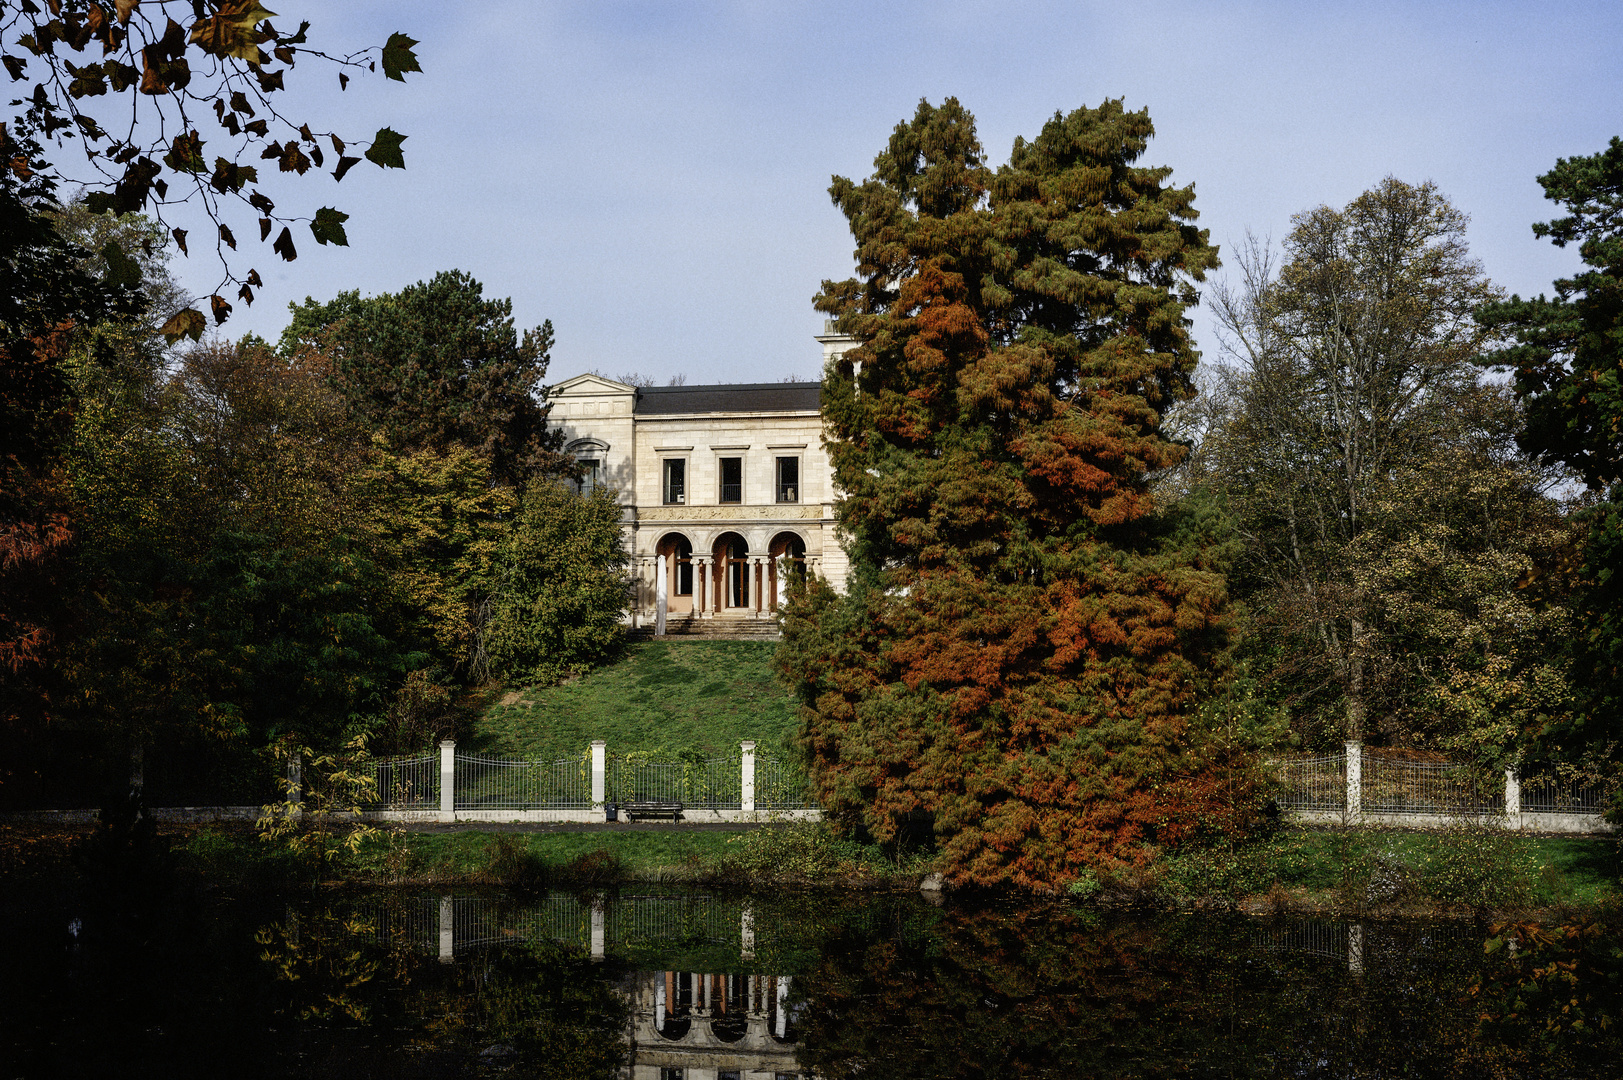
pixel 728 398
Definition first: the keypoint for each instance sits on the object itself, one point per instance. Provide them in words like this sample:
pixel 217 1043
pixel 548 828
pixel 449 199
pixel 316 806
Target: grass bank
pixel 665 696
pixel 1463 869
pixel 1348 871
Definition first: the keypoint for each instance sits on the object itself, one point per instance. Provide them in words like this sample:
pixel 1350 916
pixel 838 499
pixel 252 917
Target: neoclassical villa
pixel 726 488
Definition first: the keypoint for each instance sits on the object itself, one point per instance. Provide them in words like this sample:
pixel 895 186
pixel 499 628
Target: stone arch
pixel 729 554
pixel 593 456
pixel 675 549
pixel 786 554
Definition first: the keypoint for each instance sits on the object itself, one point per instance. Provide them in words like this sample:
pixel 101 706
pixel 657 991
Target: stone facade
pixel 726 488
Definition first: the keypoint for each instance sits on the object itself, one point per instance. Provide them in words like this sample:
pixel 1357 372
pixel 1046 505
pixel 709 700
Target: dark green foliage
pixel 437 365
pixel 1567 363
pixel 561 586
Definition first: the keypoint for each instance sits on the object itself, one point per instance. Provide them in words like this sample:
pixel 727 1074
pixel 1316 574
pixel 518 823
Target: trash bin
pixel 611 812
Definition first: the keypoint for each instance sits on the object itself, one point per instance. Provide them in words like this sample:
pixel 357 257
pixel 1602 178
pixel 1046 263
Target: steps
pixel 718 628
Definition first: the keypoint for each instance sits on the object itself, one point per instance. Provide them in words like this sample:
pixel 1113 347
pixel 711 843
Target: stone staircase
pixel 717 628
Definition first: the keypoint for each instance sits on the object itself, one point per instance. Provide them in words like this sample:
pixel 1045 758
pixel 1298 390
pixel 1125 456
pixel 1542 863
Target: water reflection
pixel 695 987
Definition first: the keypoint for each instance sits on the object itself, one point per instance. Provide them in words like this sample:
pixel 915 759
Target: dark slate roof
pixel 728 398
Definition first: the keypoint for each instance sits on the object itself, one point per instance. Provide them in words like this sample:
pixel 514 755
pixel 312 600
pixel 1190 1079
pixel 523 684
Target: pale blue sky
pixel 653 177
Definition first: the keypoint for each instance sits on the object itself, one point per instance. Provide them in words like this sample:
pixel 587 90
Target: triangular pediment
pixel 590 384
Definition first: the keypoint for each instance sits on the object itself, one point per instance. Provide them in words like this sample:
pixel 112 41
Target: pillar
pixel 447 930
pixel 597 930
pixel 700 605
pixel 1513 798
pixel 746 787
pixel 759 573
pixel 448 780
pixel 599 771
pixel 1355 780
pixel 661 595
pixel 1355 949
pixel 783 997
pixel 746 940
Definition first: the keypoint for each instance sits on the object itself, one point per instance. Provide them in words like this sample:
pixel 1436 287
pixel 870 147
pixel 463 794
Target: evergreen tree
pixel 1025 640
pixel 436 365
pixel 1567 362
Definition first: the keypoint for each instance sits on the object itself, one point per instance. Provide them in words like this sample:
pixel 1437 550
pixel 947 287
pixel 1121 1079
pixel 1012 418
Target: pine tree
pixel 1025 638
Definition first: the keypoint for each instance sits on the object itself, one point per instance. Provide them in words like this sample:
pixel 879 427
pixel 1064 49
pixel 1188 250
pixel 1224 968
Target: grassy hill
pixel 661 696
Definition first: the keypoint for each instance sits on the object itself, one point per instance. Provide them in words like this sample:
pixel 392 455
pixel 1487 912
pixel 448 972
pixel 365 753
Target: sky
pixel 653 177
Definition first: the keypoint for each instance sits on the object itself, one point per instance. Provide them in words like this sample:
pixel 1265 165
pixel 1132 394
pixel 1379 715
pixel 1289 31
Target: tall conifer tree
pixel 1020 655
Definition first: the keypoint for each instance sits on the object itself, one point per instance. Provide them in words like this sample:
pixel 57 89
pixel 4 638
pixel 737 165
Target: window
pixel 788 479
pixel 676 481
pixel 732 480
pixel 729 1074
pixel 591 475
pixel 669 1072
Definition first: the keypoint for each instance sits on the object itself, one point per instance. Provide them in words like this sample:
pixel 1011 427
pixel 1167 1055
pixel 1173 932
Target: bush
pixel 800 850
pixel 1482 867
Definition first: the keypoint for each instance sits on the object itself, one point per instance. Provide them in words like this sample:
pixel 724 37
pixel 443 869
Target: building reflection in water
pixel 694 1026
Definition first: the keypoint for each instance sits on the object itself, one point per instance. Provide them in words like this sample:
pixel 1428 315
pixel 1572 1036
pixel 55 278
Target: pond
pixel 690 986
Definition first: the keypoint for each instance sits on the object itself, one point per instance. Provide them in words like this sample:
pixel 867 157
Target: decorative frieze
pixel 740 514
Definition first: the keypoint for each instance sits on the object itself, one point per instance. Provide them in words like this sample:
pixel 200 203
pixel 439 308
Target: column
pixel 1513 798
pixel 1355 780
pixel 599 769
pixel 700 600
pixel 448 780
pixel 746 789
pixel 597 930
pixel 1355 948
pixel 759 573
pixel 447 930
pixel 661 596
pixel 783 996
pixel 746 940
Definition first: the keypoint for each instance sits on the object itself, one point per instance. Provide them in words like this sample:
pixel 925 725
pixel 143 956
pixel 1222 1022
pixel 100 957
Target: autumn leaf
pixel 284 246
pixel 328 226
pixel 121 269
pixel 398 57
pixel 229 32
pixel 385 149
pixel 187 323
pixel 222 310
pixel 344 165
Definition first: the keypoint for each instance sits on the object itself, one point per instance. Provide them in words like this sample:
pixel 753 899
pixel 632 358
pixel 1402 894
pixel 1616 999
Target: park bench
pixel 635 810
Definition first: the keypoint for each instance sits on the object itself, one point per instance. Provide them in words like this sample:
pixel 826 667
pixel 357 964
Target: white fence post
pixel 1513 798
pixel 448 780
pixel 746 932
pixel 1355 781
pixel 746 788
pixel 447 923
pixel 599 763
pixel 295 783
pixel 598 928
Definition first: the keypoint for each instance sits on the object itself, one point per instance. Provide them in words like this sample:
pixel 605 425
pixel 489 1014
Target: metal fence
pixel 778 786
pixel 716 784
pixel 1549 792
pixel 1313 783
pixel 407 783
pixel 1394 785
pixel 492 783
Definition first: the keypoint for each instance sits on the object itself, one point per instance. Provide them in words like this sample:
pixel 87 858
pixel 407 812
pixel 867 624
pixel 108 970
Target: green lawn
pixel 1457 864
pixel 665 696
